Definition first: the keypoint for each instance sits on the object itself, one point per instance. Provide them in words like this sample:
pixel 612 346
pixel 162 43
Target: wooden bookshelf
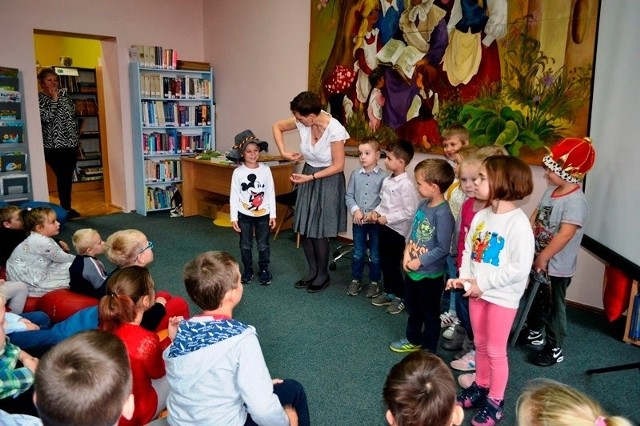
pixel 634 292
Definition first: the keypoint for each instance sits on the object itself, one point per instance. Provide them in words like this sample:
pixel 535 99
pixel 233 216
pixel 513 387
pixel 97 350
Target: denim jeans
pixel 360 245
pixel 259 225
pixel 290 392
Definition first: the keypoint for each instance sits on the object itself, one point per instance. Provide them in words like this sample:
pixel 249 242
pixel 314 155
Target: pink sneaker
pixel 466 363
pixel 466 380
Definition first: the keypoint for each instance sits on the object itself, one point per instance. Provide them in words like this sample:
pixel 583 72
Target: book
pixel 402 57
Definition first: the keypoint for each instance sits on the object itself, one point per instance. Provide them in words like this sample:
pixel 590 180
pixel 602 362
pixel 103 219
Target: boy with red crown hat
pixel 558 228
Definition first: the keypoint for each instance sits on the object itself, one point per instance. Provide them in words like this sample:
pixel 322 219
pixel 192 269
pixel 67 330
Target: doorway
pixel 77 59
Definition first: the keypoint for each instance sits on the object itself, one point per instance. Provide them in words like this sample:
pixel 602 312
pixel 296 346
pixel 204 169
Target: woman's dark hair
pixel 306 103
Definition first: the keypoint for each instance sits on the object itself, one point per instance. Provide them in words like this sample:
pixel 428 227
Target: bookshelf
pixel 173 116
pixel 632 329
pixel 15 185
pixel 82 87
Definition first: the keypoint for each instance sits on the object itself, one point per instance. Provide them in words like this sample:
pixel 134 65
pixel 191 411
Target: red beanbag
pixel 617 289
pixel 61 304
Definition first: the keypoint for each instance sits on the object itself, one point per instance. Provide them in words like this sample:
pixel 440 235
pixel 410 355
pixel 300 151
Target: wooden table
pixel 206 180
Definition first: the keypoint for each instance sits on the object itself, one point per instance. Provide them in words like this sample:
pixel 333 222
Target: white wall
pixel 153 22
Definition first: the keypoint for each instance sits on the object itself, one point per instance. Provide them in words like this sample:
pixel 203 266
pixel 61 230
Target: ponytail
pixel 125 289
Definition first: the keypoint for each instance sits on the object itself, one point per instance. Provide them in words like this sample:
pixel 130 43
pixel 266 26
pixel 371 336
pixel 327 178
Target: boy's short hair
pixel 83 239
pixel 122 247
pixel 420 391
pixel 490 150
pixel 437 171
pixel 371 140
pixel 7 212
pixel 401 149
pixel 85 380
pixel 456 131
pixel 209 277
pixel 510 179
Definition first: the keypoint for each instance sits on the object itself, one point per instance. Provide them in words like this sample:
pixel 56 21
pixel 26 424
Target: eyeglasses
pixel 148 247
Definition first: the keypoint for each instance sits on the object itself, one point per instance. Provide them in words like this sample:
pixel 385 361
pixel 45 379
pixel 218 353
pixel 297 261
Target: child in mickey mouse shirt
pixel 253 206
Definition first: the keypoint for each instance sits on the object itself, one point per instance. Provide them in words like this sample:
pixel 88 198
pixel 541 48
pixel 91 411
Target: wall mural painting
pixel 513 72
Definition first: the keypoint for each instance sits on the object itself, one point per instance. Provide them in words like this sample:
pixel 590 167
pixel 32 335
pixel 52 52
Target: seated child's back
pixel 231 382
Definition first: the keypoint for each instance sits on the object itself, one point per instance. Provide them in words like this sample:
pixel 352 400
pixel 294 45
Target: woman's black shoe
pixel 303 283
pixel 318 288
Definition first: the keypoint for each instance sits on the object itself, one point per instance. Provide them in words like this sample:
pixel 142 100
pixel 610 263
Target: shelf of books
pixel 632 329
pixel 81 85
pixel 15 185
pixel 173 116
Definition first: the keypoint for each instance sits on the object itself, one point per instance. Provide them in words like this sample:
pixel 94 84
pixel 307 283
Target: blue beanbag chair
pixel 61 213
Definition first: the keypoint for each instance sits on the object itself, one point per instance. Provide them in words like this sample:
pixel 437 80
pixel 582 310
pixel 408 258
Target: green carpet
pixel 337 346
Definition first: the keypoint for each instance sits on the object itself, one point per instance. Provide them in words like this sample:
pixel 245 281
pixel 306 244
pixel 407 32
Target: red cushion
pixel 33 304
pixel 616 292
pixel 61 304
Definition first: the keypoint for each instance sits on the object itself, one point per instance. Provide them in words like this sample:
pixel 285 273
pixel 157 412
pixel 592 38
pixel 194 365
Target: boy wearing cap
pixel 558 229
pixel 253 206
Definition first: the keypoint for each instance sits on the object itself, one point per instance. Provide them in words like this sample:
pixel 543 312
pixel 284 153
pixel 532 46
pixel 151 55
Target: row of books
pixel 174 142
pixel 634 325
pixel 173 114
pixel 10 98
pixel 154 56
pixel 168 170
pixel 180 87
pixel 159 198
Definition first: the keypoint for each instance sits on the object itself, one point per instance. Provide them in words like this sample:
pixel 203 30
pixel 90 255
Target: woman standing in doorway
pixel 320 211
pixel 59 134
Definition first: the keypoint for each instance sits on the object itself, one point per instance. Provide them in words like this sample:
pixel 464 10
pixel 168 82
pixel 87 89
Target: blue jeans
pixel 360 245
pixel 290 392
pixel 259 225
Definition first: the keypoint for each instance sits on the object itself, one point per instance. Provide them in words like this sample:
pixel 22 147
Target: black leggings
pixel 63 163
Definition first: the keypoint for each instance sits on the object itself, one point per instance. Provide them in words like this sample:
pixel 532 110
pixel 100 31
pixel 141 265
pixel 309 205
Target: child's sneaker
pixel 466 363
pixel 396 306
pixel 247 276
pixel 466 380
pixel 490 414
pixel 265 277
pixel 535 338
pixel 548 356
pixel 447 319
pixel 472 397
pixel 453 331
pixel 354 288
pixel 373 290
pixel 381 300
pixel 403 345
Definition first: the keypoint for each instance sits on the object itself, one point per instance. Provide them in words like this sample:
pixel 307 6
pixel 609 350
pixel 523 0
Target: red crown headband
pixel 571 158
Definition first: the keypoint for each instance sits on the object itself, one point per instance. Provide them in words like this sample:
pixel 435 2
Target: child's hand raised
pixel 172 328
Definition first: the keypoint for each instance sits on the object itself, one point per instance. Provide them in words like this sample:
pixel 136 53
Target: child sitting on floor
pixel 131 247
pixel 87 273
pixel 130 294
pixel 39 261
pixel 420 391
pixel 547 402
pixel 85 380
pixel 231 384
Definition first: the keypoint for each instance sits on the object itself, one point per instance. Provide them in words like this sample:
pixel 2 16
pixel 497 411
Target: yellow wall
pixel 84 52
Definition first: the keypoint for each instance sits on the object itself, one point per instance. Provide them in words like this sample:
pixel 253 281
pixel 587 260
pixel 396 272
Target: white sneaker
pixel 466 380
pixel 447 319
pixel 451 331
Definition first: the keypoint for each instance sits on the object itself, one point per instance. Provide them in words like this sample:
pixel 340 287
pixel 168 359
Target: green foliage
pixel 534 105
pixel 358 127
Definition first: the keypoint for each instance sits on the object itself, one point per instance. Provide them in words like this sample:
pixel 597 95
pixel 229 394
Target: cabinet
pixel 631 334
pixel 173 116
pixel 15 185
pixel 81 85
